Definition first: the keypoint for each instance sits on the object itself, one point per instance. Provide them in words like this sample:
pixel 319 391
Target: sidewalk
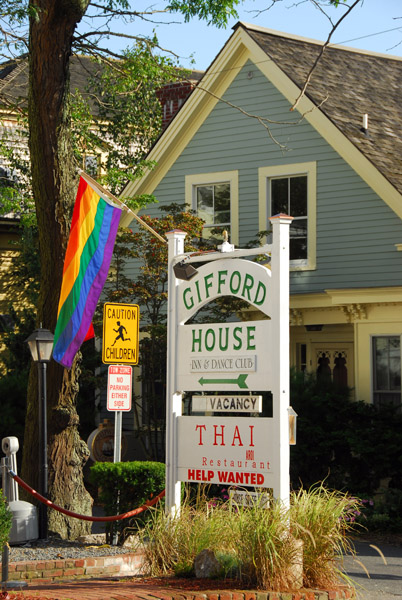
pixel 383 579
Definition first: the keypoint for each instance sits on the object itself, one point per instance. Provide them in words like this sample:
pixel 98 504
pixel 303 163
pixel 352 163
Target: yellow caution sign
pixel 120 333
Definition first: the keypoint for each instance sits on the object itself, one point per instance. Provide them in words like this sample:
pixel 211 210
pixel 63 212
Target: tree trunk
pixel 54 185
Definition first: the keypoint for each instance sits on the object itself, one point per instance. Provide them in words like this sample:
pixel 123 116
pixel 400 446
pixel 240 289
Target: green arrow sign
pixel 240 381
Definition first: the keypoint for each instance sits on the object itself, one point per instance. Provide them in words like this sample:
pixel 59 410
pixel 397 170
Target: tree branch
pixel 322 50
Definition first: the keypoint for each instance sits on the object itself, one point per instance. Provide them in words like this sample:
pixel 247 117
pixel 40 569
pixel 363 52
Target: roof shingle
pixel 346 84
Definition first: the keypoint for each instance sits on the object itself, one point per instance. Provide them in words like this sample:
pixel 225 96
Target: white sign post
pixel 119 394
pixel 242 357
pixel 173 396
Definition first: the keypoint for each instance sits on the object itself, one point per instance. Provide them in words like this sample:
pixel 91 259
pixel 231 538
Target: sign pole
pixel 280 321
pixel 118 421
pixel 117 458
pixel 173 396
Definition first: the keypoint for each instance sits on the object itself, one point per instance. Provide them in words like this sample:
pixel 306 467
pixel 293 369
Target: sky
pixel 372 25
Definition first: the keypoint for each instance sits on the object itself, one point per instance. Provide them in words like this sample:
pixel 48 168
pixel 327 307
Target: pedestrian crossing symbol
pixel 120 334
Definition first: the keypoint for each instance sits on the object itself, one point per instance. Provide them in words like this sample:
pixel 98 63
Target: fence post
pixel 5 552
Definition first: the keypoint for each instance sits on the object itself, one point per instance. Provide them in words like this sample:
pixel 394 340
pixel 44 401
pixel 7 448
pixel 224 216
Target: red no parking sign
pixel 119 388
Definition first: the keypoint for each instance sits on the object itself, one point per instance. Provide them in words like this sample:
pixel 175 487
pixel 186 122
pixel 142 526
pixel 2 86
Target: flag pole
pixel 104 191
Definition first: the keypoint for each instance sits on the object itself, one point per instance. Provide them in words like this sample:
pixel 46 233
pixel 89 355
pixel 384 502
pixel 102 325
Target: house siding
pixel 356 230
pixel 8 253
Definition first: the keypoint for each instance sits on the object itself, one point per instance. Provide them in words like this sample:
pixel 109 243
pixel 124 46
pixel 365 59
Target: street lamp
pixel 40 343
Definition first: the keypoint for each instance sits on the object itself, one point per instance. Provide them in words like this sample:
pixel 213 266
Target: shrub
pixel 350 444
pixel 125 486
pixel 5 521
pixel 383 513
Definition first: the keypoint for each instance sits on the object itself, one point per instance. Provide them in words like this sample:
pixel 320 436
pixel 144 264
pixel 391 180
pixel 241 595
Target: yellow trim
pixel 364 332
pixel 231 177
pixel 310 301
pixel 309 169
pixel 383 317
pixel 365 295
pixel 239 48
pixel 339 297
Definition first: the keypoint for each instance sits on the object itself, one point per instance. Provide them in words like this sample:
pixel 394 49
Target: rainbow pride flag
pixel 86 265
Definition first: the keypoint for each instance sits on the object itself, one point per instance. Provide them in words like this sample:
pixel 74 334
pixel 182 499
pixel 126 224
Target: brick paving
pixel 138 589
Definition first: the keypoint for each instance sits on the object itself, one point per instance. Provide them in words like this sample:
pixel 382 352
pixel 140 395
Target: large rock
pixel 206 565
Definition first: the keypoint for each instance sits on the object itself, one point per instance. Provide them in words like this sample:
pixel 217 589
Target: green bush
pixel 5 521
pixel 382 513
pixel 350 444
pixel 125 486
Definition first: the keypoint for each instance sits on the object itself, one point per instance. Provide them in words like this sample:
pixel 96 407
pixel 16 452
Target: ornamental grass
pixel 324 520
pixel 266 548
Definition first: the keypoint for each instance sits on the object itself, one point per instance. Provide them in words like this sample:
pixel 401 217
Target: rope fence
pixel 69 513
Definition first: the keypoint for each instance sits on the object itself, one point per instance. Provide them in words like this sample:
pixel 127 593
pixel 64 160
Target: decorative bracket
pixel 296 316
pixel 355 312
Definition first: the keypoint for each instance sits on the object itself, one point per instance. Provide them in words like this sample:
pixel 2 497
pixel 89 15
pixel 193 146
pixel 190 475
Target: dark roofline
pixel 307 40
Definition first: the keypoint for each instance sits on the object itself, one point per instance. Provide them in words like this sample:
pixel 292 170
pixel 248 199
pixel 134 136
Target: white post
pixel 173 396
pixel 280 321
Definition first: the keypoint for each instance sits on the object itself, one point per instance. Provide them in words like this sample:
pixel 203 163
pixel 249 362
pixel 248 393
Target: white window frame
pixel 92 161
pixel 265 174
pixel 231 177
pixel 372 358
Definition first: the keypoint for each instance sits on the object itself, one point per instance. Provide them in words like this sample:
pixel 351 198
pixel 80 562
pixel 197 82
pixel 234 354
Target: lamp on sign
pixel 184 271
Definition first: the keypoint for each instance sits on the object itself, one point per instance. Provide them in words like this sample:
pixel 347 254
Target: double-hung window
pixel 291 190
pixel 288 195
pixel 386 353
pixel 214 198
pixel 212 203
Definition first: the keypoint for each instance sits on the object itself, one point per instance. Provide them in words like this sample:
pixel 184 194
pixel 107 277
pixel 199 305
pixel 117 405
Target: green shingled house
pixel 238 151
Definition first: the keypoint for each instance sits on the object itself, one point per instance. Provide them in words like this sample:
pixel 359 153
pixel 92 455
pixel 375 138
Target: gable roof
pixel 14 81
pixel 14 78
pixel 345 85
